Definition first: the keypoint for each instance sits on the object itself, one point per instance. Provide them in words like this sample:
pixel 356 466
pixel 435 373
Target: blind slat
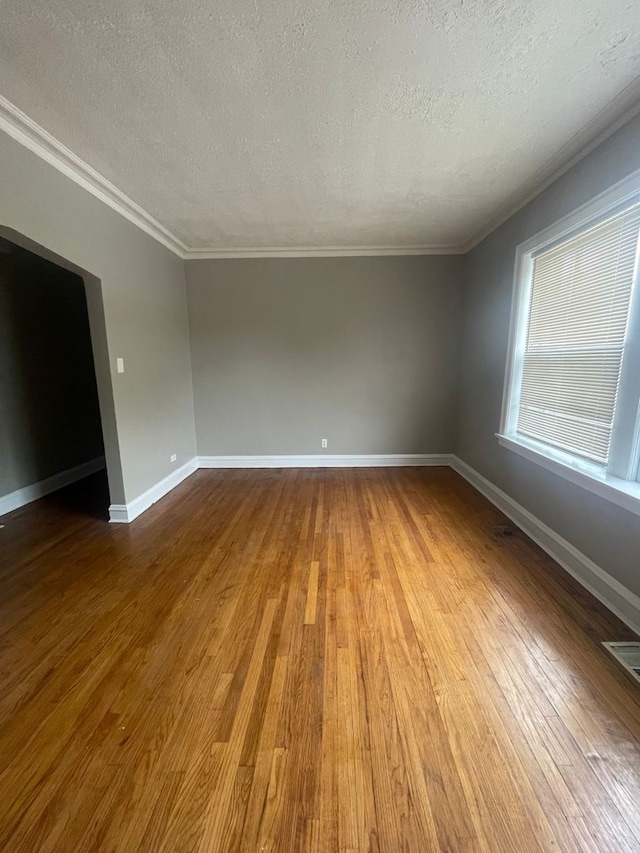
pixel 578 317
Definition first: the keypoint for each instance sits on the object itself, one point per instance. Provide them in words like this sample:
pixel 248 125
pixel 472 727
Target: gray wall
pixel 361 351
pixel 607 534
pixel 49 413
pixel 137 310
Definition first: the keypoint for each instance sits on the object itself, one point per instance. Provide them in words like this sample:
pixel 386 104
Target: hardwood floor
pixel 312 660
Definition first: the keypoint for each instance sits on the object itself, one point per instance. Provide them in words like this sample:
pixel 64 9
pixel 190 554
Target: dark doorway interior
pixel 50 429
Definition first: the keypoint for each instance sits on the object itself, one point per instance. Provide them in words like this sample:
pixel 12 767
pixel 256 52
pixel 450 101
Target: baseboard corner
pixel 126 513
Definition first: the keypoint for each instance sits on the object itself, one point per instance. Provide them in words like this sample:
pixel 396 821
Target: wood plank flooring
pixel 312 660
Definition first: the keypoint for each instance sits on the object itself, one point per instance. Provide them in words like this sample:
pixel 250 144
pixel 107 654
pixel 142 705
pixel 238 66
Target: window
pixel 573 381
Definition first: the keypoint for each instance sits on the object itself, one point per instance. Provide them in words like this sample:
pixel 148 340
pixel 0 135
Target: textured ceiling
pixel 249 123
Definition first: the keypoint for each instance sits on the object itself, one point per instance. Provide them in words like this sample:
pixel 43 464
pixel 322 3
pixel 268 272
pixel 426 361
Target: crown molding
pixel 624 107
pixel 28 133
pixel 31 135
pixel 321 252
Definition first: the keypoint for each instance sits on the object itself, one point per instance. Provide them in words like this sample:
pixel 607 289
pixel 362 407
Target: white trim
pixel 124 513
pixel 593 134
pixel 616 597
pixel 624 493
pixel 119 514
pixel 360 461
pixel 598 207
pixel 621 601
pixel 27 494
pixel 31 135
pixel 321 252
pixel 28 133
pixel 518 322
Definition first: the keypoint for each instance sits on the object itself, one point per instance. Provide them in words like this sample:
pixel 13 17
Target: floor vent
pixel 628 654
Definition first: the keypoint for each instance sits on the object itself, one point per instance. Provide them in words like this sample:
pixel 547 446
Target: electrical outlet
pixel 173 457
pixel 324 442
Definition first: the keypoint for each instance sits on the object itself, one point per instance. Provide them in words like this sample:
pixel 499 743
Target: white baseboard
pixel 616 597
pixel 21 497
pixel 124 513
pixel 393 460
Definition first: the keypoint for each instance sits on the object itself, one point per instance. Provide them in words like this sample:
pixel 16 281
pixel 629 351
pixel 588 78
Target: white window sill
pixel 624 493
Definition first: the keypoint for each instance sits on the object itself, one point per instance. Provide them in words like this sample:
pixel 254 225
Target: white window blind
pixel 578 316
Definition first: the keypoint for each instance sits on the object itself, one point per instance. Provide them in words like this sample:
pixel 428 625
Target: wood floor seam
pixel 306 661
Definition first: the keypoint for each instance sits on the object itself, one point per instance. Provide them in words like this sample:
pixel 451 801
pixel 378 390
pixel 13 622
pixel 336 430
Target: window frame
pixel 619 482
